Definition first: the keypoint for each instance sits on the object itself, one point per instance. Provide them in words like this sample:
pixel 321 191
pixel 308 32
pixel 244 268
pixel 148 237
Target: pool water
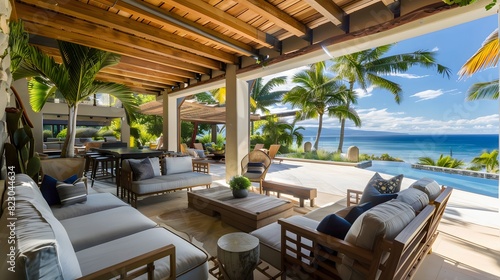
pixel 482 186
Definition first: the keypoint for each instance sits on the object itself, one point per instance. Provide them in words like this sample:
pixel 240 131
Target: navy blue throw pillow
pixel 49 190
pixel 357 211
pixel 335 226
pixel 256 167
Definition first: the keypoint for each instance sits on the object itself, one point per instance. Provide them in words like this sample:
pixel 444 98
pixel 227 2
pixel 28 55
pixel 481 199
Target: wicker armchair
pixel 254 166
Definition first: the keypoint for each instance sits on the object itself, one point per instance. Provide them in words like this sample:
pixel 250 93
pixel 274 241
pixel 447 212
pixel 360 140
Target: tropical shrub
pixel 487 160
pixel 443 161
pixel 47 134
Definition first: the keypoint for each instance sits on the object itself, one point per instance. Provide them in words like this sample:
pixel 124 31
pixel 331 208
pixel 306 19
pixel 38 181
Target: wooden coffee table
pixel 246 214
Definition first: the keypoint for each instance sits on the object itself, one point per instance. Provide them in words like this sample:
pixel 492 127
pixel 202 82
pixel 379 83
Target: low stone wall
pixel 456 171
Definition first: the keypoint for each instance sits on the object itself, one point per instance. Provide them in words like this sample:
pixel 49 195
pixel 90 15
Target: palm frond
pixel 486 56
pixel 486 90
pixel 40 92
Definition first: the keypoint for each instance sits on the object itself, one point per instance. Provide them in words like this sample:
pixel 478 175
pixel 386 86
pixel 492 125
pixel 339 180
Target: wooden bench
pixel 296 191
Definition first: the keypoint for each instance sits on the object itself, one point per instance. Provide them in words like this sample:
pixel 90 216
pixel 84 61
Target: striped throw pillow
pixel 256 167
pixel 72 193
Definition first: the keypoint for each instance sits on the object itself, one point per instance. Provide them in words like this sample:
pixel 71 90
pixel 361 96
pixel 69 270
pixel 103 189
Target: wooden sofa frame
pixel 122 269
pixel 406 251
pixel 126 178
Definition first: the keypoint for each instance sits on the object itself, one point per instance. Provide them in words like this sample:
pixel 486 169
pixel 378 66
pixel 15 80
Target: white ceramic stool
pixel 238 255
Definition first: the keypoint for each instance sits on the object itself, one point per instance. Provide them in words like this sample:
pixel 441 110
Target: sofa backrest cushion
pixel 174 165
pixel 387 219
pixel 356 211
pixel 43 246
pixel 416 198
pixel 429 186
pixel 141 169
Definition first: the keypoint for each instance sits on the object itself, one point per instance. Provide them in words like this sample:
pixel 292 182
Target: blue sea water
pixel 410 147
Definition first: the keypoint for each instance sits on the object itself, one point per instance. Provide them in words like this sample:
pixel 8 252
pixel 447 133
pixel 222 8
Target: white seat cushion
pixel 95 202
pixel 101 227
pixel 188 257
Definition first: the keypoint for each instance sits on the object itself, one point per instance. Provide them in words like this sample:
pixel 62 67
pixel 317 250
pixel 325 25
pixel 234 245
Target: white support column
pixel 237 122
pixel 170 120
pixel 125 131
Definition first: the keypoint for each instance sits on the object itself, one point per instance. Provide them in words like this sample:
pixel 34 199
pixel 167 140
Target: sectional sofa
pixel 380 236
pixel 99 238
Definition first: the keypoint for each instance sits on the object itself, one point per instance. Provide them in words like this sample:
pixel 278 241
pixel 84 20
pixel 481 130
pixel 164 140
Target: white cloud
pixel 407 76
pixel 428 94
pixel 435 49
pixel 362 93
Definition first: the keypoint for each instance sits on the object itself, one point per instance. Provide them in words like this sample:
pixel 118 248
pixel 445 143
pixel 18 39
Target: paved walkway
pixel 468 246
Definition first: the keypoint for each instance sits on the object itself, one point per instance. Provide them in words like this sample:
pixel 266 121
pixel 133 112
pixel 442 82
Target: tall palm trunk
pixel 320 126
pixel 342 122
pixel 69 143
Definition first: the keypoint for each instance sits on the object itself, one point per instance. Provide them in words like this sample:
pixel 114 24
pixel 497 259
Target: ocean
pixel 410 147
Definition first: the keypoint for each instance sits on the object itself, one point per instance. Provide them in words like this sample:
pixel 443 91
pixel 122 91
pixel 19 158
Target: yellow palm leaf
pixel 486 56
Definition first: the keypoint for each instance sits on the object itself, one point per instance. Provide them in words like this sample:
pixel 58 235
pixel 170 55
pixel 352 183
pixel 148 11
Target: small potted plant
pixel 239 185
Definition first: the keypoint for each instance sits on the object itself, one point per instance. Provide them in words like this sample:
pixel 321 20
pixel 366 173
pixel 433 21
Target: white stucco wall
pixel 5 76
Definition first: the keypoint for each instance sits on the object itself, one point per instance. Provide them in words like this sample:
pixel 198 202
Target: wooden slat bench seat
pixel 296 191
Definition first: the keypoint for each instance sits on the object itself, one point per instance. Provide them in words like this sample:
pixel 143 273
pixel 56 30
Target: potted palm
pixel 239 185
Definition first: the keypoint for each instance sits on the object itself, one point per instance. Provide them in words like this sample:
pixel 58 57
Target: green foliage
pixel 239 183
pixel 20 151
pixel 62 133
pixel 319 155
pixel 47 134
pixel 443 161
pixel 462 3
pixel 487 160
pixel 385 157
pixel 85 132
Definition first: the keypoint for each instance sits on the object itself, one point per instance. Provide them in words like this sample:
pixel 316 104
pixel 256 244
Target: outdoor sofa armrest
pixel 353 196
pixel 147 260
pixel 296 257
pixel 202 167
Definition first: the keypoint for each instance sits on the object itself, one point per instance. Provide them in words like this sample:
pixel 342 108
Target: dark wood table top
pixel 125 153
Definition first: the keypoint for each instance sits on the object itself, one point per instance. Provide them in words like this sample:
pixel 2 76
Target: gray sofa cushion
pixel 41 239
pixel 188 257
pixel 105 226
pixel 270 239
pixel 416 198
pixel 429 186
pixel 174 165
pixel 387 219
pixel 171 182
pixel 95 202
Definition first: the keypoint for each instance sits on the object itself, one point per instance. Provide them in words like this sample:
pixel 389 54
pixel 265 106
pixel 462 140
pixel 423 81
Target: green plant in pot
pixel 239 185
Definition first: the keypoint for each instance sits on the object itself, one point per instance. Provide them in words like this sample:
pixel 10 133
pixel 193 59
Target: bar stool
pixel 106 162
pixel 88 161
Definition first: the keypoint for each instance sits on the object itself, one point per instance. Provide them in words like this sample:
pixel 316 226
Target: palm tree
pixel 317 94
pixel 276 130
pixel 367 68
pixel 443 161
pixel 488 160
pixel 293 133
pixel 485 57
pixel 74 79
pixel 263 96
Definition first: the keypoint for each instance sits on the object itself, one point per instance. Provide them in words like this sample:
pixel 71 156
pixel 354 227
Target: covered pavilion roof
pixel 192 111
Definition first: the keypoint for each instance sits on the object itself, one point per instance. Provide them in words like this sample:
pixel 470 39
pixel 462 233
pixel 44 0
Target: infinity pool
pixel 482 186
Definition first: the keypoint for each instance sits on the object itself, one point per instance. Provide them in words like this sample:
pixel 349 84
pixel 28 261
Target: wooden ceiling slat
pixel 277 16
pixel 328 9
pixel 139 76
pixel 68 36
pixel 99 33
pixel 203 9
pixel 181 31
pixel 115 22
pixel 154 66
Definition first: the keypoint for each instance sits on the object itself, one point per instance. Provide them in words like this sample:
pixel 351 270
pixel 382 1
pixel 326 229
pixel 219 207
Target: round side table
pixel 238 255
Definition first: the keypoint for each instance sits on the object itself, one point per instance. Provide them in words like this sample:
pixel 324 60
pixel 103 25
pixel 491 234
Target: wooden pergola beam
pixel 328 9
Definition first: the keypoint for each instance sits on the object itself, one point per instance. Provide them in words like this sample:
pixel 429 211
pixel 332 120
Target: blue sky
pixel 431 103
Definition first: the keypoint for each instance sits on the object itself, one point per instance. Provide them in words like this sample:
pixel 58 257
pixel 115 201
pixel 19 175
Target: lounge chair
pixel 258 147
pixel 254 166
pixel 273 150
